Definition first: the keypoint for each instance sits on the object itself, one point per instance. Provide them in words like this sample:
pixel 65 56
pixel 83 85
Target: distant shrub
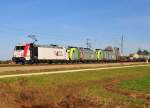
pixel 5 61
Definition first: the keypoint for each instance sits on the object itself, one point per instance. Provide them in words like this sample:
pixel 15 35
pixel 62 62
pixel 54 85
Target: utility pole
pixel 88 44
pixel 122 45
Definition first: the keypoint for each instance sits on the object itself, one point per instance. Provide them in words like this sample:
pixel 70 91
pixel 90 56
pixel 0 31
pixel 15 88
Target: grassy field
pixel 115 88
pixel 140 84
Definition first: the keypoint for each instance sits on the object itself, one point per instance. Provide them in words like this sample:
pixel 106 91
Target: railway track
pixel 13 68
pixel 19 65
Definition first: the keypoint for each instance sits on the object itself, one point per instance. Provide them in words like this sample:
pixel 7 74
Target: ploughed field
pixel 113 88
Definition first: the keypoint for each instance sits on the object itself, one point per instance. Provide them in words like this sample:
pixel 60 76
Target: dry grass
pixel 21 95
pixel 71 90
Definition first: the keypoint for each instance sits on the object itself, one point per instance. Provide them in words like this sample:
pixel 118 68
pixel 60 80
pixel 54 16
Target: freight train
pixel 33 53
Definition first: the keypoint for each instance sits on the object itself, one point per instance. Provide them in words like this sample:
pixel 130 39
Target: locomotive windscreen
pixel 19 48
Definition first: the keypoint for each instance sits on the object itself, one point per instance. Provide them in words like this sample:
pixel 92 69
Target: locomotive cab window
pixel 19 48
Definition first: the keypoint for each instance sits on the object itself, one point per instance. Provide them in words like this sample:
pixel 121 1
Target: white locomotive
pixel 32 53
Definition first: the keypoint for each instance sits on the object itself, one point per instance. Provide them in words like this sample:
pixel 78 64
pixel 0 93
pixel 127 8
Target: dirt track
pixel 52 67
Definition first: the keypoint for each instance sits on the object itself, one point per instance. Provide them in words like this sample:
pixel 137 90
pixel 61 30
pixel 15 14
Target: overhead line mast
pixel 122 45
pixel 88 43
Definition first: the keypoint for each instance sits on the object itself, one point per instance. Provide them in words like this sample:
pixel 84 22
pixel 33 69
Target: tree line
pixel 143 52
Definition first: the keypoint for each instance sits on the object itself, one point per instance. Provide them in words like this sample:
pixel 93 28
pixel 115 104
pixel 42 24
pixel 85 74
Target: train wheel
pixel 23 62
pixel 50 62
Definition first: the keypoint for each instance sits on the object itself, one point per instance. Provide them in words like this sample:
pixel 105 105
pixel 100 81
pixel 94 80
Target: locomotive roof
pixel 20 45
pixel 98 49
pixel 50 46
pixel 87 49
pixel 72 47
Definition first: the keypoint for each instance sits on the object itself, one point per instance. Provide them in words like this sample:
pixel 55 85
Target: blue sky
pixel 70 22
